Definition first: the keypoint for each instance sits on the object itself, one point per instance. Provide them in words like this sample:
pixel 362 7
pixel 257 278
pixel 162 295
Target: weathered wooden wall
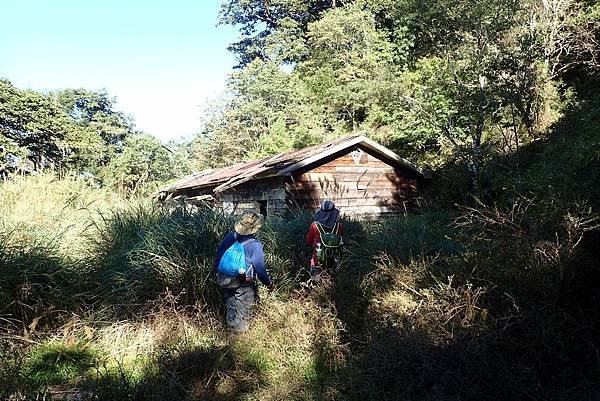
pixel 358 183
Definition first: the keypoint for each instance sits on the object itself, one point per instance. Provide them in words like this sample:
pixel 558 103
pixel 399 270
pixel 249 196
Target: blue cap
pixel 327 205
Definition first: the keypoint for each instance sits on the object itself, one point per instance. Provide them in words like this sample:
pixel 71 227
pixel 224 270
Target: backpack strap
pixel 248 241
pixel 322 231
pixel 249 266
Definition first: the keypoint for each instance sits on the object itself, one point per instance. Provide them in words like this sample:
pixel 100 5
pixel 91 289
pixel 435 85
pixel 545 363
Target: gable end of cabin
pixel 359 182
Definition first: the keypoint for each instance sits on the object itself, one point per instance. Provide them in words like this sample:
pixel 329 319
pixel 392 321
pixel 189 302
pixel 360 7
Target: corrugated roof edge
pixel 358 140
pixel 327 150
pixel 177 184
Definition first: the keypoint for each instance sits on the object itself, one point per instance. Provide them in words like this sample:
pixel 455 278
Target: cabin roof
pixel 285 164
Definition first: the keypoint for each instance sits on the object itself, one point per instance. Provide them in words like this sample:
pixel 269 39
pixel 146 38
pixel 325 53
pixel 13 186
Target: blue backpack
pixel 233 264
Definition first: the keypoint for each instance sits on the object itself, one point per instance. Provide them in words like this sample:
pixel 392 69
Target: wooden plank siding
pixel 358 183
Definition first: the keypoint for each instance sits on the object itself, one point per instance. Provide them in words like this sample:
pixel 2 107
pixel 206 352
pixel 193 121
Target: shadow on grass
pixel 476 328
pixel 515 364
pixel 199 373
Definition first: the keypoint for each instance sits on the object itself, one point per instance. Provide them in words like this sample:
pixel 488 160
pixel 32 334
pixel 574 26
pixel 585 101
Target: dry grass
pixel 425 307
pixel 48 206
pixel 293 344
pixel 290 352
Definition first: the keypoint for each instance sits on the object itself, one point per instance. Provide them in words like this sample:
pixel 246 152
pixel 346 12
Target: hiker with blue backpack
pixel 240 259
pixel 325 237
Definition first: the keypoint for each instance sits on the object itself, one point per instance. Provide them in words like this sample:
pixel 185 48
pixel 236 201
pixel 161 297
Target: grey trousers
pixel 239 302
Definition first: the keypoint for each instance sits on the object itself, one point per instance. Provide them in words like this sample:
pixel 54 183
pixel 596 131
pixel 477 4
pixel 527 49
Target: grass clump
pixel 58 363
pixel 37 278
pixel 48 206
pixel 142 251
pixel 42 222
pixel 292 349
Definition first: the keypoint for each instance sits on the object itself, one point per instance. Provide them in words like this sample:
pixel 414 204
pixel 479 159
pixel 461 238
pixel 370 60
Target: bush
pixel 141 251
pixel 57 363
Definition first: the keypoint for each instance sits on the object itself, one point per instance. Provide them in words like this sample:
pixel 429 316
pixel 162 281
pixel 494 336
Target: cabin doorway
pixel 262 207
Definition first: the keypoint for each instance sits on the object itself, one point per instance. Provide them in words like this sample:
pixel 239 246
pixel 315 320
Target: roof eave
pixel 331 151
pixel 394 156
pixel 359 140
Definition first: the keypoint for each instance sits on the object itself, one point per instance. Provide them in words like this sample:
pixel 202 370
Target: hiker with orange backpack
pixel 325 238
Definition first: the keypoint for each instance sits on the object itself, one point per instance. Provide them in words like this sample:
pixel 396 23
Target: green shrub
pixel 57 363
pixel 35 276
pixel 141 251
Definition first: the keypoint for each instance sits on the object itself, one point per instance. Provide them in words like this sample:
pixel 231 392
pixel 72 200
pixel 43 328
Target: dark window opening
pixel 262 207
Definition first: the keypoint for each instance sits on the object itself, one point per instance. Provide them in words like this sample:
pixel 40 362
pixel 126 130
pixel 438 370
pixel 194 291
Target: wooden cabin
pixel 362 177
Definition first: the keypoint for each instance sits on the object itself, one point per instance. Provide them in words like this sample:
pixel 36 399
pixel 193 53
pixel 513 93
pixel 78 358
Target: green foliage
pixel 36 278
pixel 31 125
pixel 98 122
pixel 565 163
pixel 439 81
pixel 350 64
pixel 406 238
pixel 80 131
pixel 57 363
pixel 141 251
pixel 271 29
pixel 143 160
pixel 270 113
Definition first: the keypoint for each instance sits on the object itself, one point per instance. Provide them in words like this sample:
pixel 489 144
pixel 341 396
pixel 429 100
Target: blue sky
pixel 163 60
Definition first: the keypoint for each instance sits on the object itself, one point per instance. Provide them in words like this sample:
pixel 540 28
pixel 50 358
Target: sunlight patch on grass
pixel 285 346
pixel 132 345
pixel 57 363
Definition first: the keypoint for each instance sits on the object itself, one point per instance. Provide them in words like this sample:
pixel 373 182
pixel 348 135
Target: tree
pixel 440 80
pixel 491 92
pixel 68 129
pixel 32 126
pixel 144 160
pixel 350 64
pixel 568 34
pixel 266 105
pixel 272 28
pixel 94 113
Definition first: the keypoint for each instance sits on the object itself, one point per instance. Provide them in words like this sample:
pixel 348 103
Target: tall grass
pixel 491 314
pixel 49 206
pixel 140 251
pixel 42 222
pixel 481 302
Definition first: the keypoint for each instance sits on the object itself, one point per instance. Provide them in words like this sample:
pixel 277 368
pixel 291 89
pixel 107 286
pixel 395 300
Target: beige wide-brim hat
pixel 249 223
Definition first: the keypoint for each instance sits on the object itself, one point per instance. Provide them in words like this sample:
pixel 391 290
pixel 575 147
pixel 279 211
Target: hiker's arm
pixel 226 243
pixel 258 261
pixel 310 236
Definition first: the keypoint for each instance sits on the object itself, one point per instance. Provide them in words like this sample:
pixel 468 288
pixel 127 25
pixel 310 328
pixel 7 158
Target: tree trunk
pixel 476 152
pixel 476 161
